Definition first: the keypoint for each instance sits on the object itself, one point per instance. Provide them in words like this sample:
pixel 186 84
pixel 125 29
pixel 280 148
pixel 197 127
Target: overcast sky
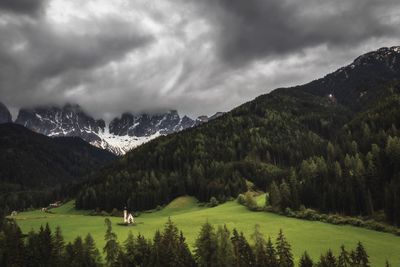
pixel 196 56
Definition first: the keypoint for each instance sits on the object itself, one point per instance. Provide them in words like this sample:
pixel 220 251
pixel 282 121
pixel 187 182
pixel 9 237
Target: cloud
pixel 199 57
pixel 41 59
pixel 251 30
pixel 27 7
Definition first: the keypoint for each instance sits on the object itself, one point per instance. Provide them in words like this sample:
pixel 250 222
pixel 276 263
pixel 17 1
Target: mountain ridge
pixel 119 136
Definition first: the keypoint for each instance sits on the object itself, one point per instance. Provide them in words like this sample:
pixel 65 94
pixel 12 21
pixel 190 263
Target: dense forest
pixel 35 169
pixel 213 247
pixel 333 153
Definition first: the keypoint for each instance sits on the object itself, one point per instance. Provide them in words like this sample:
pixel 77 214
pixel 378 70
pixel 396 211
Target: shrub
pixel 213 202
pixel 241 199
pixel 250 202
pixel 289 212
pixel 116 213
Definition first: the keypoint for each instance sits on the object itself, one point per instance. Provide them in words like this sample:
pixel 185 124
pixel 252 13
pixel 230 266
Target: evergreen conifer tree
pixel 260 247
pixel 206 246
pixel 361 256
pixel 275 197
pixel 305 260
pixel 224 247
pixel 344 258
pixel 111 248
pixel 91 253
pixel 185 257
pixel 270 252
pixel 283 251
pixel 327 260
pixel 59 246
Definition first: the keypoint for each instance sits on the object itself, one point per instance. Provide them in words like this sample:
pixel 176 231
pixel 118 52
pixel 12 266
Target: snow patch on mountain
pixel 121 144
pixel 121 135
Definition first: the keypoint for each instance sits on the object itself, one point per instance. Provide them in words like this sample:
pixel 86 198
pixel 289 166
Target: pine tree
pixel 369 204
pixel 285 195
pixel 235 239
pixel 270 254
pixel 305 260
pixel 111 248
pixel 59 246
pixel 32 250
pixel 294 197
pixel 121 259
pixel 327 260
pixel 77 255
pixel 184 255
pixel 361 256
pixel 247 254
pixel 259 247
pixel 330 151
pixel 224 247
pixel 275 197
pixel 130 249
pixel 206 246
pixel 142 251
pixel 91 253
pixel 344 258
pixel 45 246
pixel 169 244
pixel 155 258
pixel 243 254
pixel 284 254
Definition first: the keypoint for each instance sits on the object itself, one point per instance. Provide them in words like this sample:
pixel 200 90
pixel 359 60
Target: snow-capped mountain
pixel 147 125
pixel 5 115
pixel 69 120
pixel 120 136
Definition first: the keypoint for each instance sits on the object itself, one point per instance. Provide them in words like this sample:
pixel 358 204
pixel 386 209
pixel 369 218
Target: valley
pixel 214 133
pixel 329 149
pixel 188 216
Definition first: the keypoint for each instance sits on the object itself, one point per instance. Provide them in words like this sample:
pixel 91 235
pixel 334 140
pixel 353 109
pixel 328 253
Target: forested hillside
pixel 334 153
pixel 31 164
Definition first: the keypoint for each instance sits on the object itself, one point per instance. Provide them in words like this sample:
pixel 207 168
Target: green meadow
pixel 315 237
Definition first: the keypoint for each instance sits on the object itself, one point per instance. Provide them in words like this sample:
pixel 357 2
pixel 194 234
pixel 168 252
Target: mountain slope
pixel 29 160
pixel 328 150
pixel 354 85
pixel 5 115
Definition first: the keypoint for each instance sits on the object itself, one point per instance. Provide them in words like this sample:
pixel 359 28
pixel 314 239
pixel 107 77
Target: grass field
pixel 315 237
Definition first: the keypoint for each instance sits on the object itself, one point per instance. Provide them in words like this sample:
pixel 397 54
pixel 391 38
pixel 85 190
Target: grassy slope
pixel 303 235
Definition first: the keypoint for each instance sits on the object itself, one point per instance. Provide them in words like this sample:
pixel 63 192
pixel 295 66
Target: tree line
pixel 213 247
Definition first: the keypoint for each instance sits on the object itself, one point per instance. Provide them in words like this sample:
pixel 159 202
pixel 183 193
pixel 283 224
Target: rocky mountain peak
pixel 69 120
pixel 385 55
pixel 121 135
pixel 353 84
pixel 149 124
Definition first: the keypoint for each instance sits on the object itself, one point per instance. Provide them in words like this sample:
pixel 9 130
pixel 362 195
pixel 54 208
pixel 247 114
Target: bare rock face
pixel 121 135
pixel 149 124
pixel 69 120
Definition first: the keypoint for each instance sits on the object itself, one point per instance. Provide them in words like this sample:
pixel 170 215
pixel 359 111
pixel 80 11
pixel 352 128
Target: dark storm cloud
pixel 198 56
pixel 248 30
pixel 29 7
pixel 39 61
